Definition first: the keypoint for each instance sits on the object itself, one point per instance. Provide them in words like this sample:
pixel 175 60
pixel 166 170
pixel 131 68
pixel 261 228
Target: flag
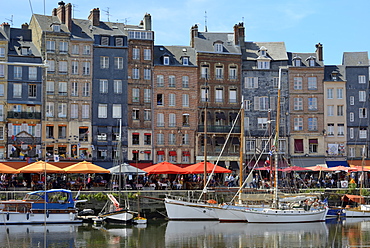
pixel 56 158
pixel 267 161
pixel 13 149
pixel 270 153
pixel 21 155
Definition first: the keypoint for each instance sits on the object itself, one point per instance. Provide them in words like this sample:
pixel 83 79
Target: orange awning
pixel 354 198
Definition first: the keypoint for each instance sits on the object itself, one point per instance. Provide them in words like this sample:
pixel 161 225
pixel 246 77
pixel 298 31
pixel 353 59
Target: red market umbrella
pixel 267 169
pixel 341 168
pixel 295 168
pixel 164 168
pixel 198 168
pixel 317 168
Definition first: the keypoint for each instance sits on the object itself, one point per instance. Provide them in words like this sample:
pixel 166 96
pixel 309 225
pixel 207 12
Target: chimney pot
pixel 94 16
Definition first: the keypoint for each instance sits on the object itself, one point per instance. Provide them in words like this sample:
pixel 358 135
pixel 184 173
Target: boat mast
pixel 119 160
pixel 205 141
pixel 241 150
pixel 362 168
pixel 277 141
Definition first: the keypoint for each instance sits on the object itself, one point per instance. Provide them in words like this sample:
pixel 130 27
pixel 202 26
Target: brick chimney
pixel 148 22
pixel 239 34
pixel 54 12
pixel 61 12
pixel 69 16
pixel 94 16
pixel 193 34
pixel 24 25
pixel 6 28
pixel 319 52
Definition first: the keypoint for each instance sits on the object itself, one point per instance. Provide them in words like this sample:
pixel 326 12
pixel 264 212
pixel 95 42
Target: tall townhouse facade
pixel 335 115
pixel 306 92
pixel 262 62
pixel 175 101
pixel 24 95
pixel 139 91
pixel 4 40
pixel 357 89
pixel 219 96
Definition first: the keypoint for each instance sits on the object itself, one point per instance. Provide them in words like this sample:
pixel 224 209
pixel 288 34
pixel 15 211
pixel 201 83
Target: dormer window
pixel 166 60
pixel 311 61
pixel 218 47
pixel 334 75
pixel 56 27
pixel 263 52
pixel 297 61
pixel 25 50
pixel 185 60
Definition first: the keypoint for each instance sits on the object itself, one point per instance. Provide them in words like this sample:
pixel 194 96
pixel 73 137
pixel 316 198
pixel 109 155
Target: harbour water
pixel 160 233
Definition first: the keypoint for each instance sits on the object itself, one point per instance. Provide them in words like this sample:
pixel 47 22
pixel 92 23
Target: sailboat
pixel 309 212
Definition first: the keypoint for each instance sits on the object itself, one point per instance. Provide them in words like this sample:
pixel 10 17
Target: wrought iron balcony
pixel 24 115
pixel 219 129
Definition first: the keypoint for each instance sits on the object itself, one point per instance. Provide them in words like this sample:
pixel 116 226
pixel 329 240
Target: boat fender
pixel 211 201
pixel 315 205
pixel 7 216
pixel 47 214
pixel 28 216
pixel 71 217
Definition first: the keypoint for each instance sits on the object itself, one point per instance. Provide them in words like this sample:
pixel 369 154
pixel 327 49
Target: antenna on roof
pixel 205 22
pixel 11 20
pixel 107 11
pixel 74 9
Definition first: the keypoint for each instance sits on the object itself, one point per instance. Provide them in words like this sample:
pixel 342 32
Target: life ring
pixel 344 184
pixel 315 205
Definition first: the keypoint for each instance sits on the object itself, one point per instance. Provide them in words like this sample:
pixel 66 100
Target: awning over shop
pixel 336 163
pixel 305 162
pixel 172 153
pixel 160 152
pixel 186 153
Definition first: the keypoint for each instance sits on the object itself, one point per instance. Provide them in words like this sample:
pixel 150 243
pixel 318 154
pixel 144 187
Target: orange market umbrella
pixel 85 167
pixel 198 168
pixel 40 167
pixel 317 168
pixel 7 169
pixel 165 168
pixel 360 168
pixel 294 168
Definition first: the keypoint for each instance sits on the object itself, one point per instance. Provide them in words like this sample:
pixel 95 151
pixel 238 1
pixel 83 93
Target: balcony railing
pixel 24 115
pixel 219 129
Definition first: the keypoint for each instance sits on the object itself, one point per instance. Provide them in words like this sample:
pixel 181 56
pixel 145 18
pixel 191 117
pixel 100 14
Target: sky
pixel 341 26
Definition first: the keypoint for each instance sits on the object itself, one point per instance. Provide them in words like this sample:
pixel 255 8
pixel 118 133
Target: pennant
pixel 21 155
pixel 56 158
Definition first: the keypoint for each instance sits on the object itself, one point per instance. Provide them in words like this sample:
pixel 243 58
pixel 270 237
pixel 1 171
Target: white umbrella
pixel 126 169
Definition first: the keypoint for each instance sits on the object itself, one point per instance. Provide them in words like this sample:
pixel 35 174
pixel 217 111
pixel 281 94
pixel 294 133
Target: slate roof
pixel 304 59
pixel 45 22
pixel 205 42
pixel 275 50
pixel 84 28
pixel 175 53
pixel 21 38
pixel 341 76
pixel 355 59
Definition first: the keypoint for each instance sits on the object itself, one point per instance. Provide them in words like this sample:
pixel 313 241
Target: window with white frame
pixel 233 72
pixel 136 53
pixel 171 81
pixel 62 110
pixel 51 65
pixel 62 89
pixel 261 103
pixel 172 139
pixel 2 70
pixel 171 100
pixel 312 83
pixel 86 50
pixel 185 100
pixel 117 86
pixel 2 52
pixel 247 105
pixel 340 93
pixel 362 96
pixel 204 95
pixel 75 49
pixel 218 47
pixel 362 113
pixel 17 72
pixel 185 120
pixel 185 139
pixel 74 89
pixel 32 90
pixel 2 88
pixel 351 117
pixel 361 79
pixel 116 111
pixel 74 111
pixel 312 124
pixel 160 139
pixel 32 73
pixel 172 120
pixel 160 81
pixel 352 152
pixel 185 81
pixel 135 94
pixel 86 68
pixel 352 133
pixel 330 110
pixel 103 86
pixel 1 119
pixel 204 71
pixel 50 46
pixel 298 124
pixel 340 110
pixel 275 82
pixel 50 88
pixel 250 145
pixel 263 64
pixel 63 67
pixel 17 90
pixel 63 47
pixel 297 61
pixel 85 111
pixel 104 62
pixel 74 65
pixel 147 74
pixel 136 114
pixel 312 103
pixel 298 103
pixel 251 82
pixel 147 95
pixel 118 63
pixel 352 100
pixel 363 133
pixel 340 129
pixel 102 111
pixel 311 62
pixel 86 89
pixel 262 123
pixel 232 96
pixel 160 100
pixel 147 54
pixel 147 115
pixel 135 73
pixel 219 72
pixel 219 95
pixel 166 60
pixel 160 120
pixel 297 83
pixel 185 60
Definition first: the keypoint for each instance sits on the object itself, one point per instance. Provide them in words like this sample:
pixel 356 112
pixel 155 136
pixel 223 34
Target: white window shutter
pixel 38 130
pixel 256 103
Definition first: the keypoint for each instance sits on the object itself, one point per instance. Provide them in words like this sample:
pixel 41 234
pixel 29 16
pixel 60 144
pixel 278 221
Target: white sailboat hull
pixel 37 218
pixel 269 215
pixel 228 213
pixel 362 211
pixel 118 217
pixel 183 210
